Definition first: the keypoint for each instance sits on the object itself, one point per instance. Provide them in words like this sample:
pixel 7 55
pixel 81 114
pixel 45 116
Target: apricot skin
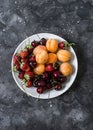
pixel 40 68
pixel 52 58
pixel 52 45
pixel 38 49
pixel 66 69
pixel 42 57
pixel 63 55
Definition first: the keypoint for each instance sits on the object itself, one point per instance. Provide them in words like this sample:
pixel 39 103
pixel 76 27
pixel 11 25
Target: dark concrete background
pixel 71 19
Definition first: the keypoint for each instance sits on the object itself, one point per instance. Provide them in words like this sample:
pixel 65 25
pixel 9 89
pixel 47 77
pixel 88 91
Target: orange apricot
pixel 42 57
pixel 52 58
pixel 66 69
pixel 52 45
pixel 63 55
pixel 38 49
pixel 40 68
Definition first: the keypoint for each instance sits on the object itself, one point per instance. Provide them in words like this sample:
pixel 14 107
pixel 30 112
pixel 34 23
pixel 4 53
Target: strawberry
pixel 29 48
pixel 28 83
pixel 21 75
pixel 17 67
pixel 24 60
pixel 24 53
pixel 29 75
pixel 49 67
pixel 16 58
pixel 24 66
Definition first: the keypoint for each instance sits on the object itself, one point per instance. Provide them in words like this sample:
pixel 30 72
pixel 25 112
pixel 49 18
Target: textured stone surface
pixel 71 19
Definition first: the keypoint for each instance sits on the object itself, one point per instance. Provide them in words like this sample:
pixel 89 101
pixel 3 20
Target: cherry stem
pixel 38 97
pixel 24 90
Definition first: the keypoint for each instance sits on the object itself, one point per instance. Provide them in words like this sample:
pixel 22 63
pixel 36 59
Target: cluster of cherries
pixel 25 62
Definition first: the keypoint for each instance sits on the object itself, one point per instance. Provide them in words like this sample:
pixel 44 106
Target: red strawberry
pixel 21 75
pixel 25 67
pixel 49 67
pixel 16 58
pixel 29 75
pixel 29 83
pixel 29 48
pixel 24 60
pixel 24 53
pixel 17 66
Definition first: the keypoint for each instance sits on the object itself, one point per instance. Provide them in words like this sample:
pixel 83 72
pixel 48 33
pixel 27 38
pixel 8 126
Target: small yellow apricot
pixel 42 57
pixel 63 55
pixel 38 49
pixel 52 58
pixel 66 69
pixel 52 45
pixel 40 68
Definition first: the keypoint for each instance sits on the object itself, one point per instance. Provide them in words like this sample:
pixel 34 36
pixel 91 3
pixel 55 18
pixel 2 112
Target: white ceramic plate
pixel 52 93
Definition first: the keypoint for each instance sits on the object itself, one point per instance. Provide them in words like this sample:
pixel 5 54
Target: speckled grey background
pixel 71 19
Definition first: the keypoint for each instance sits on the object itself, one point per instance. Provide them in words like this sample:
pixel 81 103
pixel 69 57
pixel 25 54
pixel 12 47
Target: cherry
pixel 32 64
pixel 43 41
pixel 56 74
pixel 35 82
pixel 30 50
pixel 56 66
pixel 61 45
pixel 21 75
pixel 41 83
pixel 57 87
pixel 32 58
pixel 49 67
pixel 45 75
pixel 62 79
pixel 48 86
pixel 40 90
pixel 35 43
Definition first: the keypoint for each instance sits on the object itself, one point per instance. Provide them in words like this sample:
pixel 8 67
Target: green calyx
pixel 67 44
pixel 28 46
pixel 27 77
pixel 14 68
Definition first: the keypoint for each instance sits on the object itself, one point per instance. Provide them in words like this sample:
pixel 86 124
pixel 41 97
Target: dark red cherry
pixel 32 58
pixel 49 67
pixel 32 64
pixel 45 75
pixel 40 90
pixel 61 45
pixel 57 86
pixel 34 43
pixel 41 83
pixel 43 41
pixel 62 79
pixel 56 74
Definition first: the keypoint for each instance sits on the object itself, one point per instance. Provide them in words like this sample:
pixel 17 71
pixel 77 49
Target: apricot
pixel 39 49
pixel 40 68
pixel 52 45
pixel 66 69
pixel 42 57
pixel 52 58
pixel 63 55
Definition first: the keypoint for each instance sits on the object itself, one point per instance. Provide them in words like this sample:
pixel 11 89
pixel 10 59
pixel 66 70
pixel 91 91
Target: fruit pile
pixel 43 64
